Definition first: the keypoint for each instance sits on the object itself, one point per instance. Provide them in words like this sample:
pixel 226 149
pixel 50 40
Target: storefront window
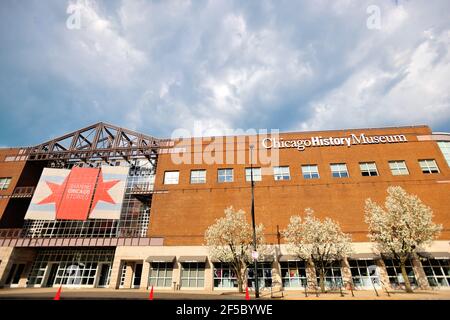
pixel 333 276
pixel 264 275
pixel 395 273
pixel 161 274
pixel 224 276
pixel 293 274
pixel 364 273
pixel 69 267
pixel 437 271
pixel 193 274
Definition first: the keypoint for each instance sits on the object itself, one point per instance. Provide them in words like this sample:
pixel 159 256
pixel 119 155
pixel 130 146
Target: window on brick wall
pixel 4 183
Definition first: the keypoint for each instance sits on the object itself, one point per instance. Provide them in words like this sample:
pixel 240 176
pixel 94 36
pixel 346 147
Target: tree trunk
pixel 240 280
pixel 405 277
pixel 322 280
pixel 240 286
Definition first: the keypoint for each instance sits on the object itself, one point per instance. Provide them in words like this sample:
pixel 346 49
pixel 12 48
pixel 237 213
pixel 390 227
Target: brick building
pixel 175 189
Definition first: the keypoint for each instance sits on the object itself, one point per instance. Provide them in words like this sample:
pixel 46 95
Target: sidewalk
pixel 371 295
pixel 134 294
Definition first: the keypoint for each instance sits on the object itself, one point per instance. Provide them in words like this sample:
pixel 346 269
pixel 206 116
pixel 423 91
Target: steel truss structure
pixel 100 141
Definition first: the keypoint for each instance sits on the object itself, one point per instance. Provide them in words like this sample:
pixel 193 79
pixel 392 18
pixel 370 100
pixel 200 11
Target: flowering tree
pixel 401 227
pixel 320 242
pixel 230 240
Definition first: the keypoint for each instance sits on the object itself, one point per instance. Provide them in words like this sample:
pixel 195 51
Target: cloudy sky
pixel 155 66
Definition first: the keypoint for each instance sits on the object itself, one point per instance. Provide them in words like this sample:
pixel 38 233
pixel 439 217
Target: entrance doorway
pixel 53 269
pixel 137 275
pixel 104 274
pixel 14 275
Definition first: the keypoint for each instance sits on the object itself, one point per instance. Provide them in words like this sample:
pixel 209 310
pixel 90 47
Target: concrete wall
pixel 10 256
pixel 139 254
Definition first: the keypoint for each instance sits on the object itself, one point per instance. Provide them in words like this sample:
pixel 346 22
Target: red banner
pixel 78 193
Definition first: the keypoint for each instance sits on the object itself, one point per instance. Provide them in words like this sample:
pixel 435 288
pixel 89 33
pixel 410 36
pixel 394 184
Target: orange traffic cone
pixel 58 294
pixel 247 296
pixel 150 297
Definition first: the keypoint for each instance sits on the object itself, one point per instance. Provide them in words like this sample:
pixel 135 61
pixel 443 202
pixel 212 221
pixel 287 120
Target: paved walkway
pixel 48 293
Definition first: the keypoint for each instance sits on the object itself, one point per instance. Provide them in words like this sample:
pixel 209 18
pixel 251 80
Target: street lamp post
pixel 255 258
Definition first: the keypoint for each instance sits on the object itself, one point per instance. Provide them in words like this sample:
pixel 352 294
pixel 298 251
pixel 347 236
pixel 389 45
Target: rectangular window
pixel 368 169
pixel 4 183
pixel 224 276
pixel 225 175
pixel 333 276
pixel 293 274
pixel 264 275
pixel 281 173
pixel 395 273
pixel 339 170
pixel 123 272
pixel 198 176
pixel 364 273
pixel 428 166
pixel 437 272
pixel 161 274
pixel 192 275
pixel 69 267
pixel 445 149
pixel 310 171
pixel 171 177
pixel 398 168
pixel 256 174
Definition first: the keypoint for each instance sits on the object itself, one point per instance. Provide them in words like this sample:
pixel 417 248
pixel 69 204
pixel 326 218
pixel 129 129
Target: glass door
pixel 15 274
pixel 53 269
pixel 103 279
pixel 137 275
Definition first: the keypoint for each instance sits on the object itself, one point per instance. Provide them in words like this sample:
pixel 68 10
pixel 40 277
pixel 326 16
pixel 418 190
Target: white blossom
pixel 312 238
pixel 230 239
pixel 404 225
pixel 401 227
pixel 320 242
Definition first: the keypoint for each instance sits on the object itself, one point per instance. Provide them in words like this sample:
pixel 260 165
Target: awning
pixel 285 258
pixel 160 259
pixel 266 258
pixel 434 255
pixel 200 259
pixel 364 256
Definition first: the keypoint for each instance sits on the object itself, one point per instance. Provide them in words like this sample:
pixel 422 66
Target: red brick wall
pixel 182 215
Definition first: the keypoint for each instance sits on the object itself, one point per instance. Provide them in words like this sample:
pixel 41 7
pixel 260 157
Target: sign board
pixel 79 194
pixel 319 141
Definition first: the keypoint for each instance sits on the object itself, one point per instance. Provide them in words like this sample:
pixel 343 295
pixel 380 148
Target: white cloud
pixel 155 66
pixel 416 91
pixel 96 53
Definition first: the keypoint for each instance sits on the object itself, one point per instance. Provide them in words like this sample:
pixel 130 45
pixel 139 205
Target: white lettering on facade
pixel 319 141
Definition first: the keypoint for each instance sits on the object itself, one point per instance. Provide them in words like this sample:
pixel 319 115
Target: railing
pixel 17 238
pixel 144 188
pixel 23 192
pixel 10 233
